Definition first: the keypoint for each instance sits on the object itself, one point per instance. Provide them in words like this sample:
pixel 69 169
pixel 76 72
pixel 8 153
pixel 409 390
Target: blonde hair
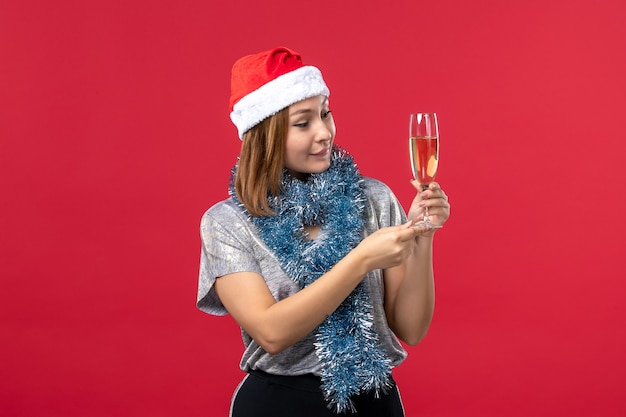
pixel 261 163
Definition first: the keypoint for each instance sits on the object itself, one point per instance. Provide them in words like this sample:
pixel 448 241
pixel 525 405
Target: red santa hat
pixel 265 83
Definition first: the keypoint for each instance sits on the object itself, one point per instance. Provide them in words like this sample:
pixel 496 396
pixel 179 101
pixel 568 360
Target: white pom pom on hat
pixel 265 83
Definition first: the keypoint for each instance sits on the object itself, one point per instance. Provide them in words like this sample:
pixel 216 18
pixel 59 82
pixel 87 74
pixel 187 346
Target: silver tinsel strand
pixel 346 342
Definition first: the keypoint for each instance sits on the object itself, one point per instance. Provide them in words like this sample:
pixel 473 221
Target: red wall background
pixel 115 138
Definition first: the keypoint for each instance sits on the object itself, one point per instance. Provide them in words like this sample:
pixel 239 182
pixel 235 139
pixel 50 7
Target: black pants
pixel 264 395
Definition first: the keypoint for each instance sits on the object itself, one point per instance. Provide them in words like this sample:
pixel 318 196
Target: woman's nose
pixel 324 134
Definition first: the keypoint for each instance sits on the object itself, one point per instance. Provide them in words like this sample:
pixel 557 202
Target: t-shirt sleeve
pixel 396 212
pixel 225 250
pixel 385 209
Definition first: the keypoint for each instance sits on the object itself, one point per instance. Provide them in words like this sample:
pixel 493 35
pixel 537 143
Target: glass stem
pixel 425 217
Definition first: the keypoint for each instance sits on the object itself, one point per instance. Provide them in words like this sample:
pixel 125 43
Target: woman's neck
pixel 302 176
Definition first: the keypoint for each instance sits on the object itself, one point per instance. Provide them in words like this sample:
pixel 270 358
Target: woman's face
pixel 309 137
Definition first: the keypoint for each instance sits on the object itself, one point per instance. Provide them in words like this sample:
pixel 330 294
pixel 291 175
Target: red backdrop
pixel 115 138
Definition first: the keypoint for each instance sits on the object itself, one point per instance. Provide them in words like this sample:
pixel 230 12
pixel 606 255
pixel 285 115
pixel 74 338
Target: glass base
pixel 425 226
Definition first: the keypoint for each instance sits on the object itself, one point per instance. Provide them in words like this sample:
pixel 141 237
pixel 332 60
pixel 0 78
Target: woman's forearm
pixel 412 295
pixel 288 321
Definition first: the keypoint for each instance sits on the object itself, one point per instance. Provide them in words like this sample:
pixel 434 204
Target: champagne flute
pixel 424 150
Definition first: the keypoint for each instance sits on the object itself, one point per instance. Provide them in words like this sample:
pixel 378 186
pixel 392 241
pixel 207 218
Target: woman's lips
pixel 321 153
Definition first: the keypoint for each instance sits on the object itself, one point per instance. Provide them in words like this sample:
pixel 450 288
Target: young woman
pixel 316 263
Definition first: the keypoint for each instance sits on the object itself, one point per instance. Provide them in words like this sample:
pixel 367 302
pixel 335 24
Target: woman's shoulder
pixel 376 188
pixel 224 212
pixel 382 203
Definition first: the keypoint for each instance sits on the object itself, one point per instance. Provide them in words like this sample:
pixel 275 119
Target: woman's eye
pixel 326 114
pixel 303 124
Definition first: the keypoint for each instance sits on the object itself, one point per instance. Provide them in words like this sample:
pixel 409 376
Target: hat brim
pixel 272 97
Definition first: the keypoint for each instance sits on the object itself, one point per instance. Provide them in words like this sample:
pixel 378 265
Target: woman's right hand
pixel 388 247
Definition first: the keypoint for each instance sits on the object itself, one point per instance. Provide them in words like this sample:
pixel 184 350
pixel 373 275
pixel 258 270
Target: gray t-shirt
pixel 230 243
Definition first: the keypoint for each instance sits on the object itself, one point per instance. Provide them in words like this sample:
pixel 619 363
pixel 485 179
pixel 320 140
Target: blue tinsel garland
pixel 346 342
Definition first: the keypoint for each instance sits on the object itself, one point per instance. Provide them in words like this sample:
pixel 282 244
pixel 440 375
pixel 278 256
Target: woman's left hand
pixel 435 199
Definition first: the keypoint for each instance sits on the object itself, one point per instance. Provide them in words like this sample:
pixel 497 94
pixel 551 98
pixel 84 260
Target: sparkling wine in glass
pixel 424 150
